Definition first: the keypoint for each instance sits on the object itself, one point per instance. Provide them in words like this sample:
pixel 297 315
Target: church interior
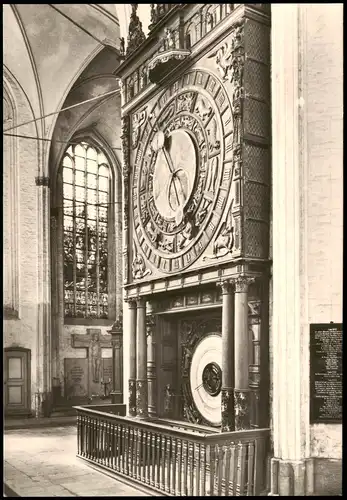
pixel 172 249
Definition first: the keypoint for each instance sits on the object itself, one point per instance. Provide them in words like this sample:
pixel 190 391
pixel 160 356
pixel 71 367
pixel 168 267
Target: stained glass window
pixel 86 191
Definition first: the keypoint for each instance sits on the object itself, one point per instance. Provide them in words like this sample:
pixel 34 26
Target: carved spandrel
pixel 138 120
pixel 139 269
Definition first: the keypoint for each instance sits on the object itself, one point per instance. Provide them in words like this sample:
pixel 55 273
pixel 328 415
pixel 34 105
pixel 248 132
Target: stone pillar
pixel 117 361
pixel 141 361
pixel 242 393
pixel 151 365
pixel 228 416
pixel 43 396
pixel 132 358
pixel 291 467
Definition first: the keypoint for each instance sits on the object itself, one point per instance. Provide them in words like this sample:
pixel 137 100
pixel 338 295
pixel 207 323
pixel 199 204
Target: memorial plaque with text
pixel 76 377
pixel 326 373
pixel 107 370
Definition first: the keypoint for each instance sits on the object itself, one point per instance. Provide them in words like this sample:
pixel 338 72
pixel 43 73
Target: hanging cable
pixel 77 25
pixel 47 140
pixel 62 110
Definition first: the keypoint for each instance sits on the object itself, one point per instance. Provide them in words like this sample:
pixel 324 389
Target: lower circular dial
pixel 206 378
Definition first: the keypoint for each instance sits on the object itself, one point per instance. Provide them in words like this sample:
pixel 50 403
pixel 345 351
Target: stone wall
pixel 39 76
pixel 20 249
pixel 324 108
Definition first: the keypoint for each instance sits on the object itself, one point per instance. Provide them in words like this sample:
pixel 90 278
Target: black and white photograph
pixel 172 249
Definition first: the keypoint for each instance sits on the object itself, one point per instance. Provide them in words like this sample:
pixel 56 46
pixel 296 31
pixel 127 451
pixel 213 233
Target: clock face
pixel 182 172
pixel 206 378
pixel 174 175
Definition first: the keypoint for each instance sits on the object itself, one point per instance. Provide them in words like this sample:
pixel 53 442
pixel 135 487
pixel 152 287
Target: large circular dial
pixel 182 171
pixel 206 378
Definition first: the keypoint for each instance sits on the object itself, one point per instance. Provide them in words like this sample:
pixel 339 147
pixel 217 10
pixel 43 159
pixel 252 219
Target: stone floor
pixel 40 462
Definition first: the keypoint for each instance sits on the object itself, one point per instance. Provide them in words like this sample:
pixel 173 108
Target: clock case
pixel 241 233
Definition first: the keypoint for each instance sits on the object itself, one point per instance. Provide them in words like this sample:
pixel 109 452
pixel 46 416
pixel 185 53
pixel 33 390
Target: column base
pixel 242 409
pixel 292 477
pixel 142 398
pixel 228 416
pixel 132 397
pixel 116 397
pixel 43 404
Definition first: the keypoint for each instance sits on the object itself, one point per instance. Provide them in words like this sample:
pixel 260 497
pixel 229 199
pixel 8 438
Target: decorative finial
pixel 136 35
pixel 153 13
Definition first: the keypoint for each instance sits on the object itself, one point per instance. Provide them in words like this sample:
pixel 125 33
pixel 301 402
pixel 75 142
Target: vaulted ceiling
pixel 46 52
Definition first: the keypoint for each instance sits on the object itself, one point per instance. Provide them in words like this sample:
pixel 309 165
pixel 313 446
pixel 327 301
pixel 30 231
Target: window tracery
pixel 86 208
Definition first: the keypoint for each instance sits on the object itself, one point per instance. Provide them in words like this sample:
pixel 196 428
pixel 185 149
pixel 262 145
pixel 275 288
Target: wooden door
pixel 17 381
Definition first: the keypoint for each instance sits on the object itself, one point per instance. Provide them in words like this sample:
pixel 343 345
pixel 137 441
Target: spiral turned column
pixel 242 392
pixel 141 361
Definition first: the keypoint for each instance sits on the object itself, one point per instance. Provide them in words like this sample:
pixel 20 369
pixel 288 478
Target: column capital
pixel 131 302
pixel 242 283
pixel 141 302
pixel 226 286
pixel 42 181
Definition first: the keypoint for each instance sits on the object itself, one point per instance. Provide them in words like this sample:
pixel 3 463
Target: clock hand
pixel 198 387
pixel 168 160
pixel 172 170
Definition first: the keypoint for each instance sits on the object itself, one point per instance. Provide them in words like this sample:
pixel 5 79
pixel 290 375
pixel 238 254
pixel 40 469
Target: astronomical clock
pixel 183 171
pixel 196 135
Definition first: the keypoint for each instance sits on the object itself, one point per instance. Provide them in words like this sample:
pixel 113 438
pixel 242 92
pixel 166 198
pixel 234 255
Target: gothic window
pixel 86 209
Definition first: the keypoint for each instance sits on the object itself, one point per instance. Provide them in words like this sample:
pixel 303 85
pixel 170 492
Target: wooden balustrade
pixel 174 461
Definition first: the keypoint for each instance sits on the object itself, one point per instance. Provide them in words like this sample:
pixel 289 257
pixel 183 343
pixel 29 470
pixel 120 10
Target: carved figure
pixel 168 399
pixel 95 352
pixel 212 175
pixel 153 233
pixel 138 267
pixel 187 358
pixel 122 46
pixel 229 63
pixel 212 133
pixel 200 216
pixel 170 42
pixel 224 242
pixel 184 101
pixel 223 59
pixel 202 110
pixel 165 243
pixel 143 78
pixel 186 234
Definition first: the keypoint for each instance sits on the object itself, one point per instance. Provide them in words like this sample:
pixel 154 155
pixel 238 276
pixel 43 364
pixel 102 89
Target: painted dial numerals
pixel 179 188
